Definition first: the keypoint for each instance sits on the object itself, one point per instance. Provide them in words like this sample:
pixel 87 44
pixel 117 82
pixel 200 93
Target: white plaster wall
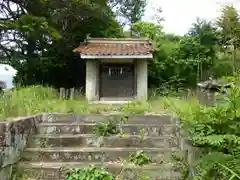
pixel 142 79
pixel 91 80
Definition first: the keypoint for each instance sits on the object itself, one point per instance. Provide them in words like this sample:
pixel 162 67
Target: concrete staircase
pixel 68 141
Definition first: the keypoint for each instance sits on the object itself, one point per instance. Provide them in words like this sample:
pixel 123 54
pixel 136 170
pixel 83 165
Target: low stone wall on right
pixel 191 153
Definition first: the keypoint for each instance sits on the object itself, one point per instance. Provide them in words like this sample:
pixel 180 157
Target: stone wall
pixel 191 153
pixel 13 138
pixel 15 133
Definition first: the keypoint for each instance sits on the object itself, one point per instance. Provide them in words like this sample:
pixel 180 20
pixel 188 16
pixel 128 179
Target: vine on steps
pixel 107 128
pixel 90 172
pixel 139 158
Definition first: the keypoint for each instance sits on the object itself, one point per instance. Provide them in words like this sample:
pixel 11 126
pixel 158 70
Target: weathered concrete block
pixel 160 119
pixel 152 130
pixel 68 138
pixel 13 139
pixel 93 154
pixel 57 170
pixel 88 140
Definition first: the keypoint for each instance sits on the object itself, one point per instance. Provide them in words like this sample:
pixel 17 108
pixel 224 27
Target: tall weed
pixel 215 130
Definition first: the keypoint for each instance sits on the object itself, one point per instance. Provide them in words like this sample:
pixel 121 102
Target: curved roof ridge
pixel 115 46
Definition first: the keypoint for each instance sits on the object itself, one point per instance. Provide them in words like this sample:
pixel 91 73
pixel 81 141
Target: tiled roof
pixel 115 46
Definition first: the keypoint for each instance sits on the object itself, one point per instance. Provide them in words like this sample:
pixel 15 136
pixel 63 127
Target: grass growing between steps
pixel 97 173
pixel 110 127
pixel 37 99
pixel 90 172
pixel 16 174
pixel 138 158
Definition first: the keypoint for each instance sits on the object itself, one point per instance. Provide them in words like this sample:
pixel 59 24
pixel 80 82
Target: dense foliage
pixel 183 61
pixel 37 38
pixel 215 132
pixel 90 172
pixel 39 43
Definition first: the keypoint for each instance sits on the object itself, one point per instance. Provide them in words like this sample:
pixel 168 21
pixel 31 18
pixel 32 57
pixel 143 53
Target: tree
pixel 200 45
pixel 229 23
pixel 147 29
pixel 39 43
pixel 131 10
pixel 156 11
pixel 206 36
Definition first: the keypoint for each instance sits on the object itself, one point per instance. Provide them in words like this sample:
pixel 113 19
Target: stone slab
pixel 90 140
pixel 14 134
pixel 87 128
pixel 87 154
pixel 131 119
pixel 57 171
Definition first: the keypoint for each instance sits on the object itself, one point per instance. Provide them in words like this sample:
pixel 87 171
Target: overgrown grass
pixel 37 99
pixel 214 130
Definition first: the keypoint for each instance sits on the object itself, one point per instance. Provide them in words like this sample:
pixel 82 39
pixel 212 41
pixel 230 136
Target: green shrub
pixel 90 172
pixel 136 107
pixel 107 128
pixel 36 99
pixel 215 130
pixel 139 158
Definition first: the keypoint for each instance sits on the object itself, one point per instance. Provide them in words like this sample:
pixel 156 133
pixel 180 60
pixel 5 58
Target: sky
pixel 180 14
pixel 6 74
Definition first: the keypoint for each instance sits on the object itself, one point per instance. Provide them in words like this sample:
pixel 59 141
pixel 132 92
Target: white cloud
pixel 180 14
pixel 7 70
pixel 7 74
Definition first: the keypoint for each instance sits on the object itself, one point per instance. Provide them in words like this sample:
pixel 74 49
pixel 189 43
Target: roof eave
pixel 146 56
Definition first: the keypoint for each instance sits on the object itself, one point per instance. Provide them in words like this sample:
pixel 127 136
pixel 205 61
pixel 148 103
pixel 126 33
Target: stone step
pixel 87 128
pixel 157 155
pixel 90 140
pixel 161 119
pixel 58 170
